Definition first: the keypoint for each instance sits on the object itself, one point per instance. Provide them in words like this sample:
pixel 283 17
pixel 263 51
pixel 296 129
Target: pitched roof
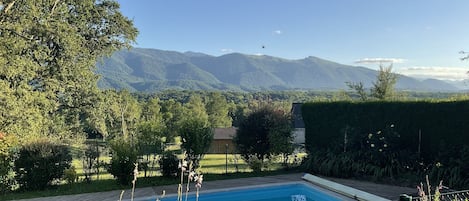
pixel 224 133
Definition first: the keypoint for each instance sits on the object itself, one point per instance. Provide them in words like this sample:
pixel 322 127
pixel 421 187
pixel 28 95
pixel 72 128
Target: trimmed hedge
pixel 442 124
pixel 382 140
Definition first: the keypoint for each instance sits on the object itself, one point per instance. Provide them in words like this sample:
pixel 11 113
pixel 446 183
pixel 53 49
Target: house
pixel 223 137
pixel 222 141
pixel 298 124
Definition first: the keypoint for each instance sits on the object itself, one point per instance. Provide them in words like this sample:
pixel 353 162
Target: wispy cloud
pixel 277 32
pixel 436 72
pixel 226 50
pixel 379 60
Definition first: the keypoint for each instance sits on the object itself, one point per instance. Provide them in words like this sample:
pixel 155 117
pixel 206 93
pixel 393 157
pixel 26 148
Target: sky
pixel 422 38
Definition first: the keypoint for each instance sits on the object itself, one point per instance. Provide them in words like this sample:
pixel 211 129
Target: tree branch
pixel 53 7
pixel 8 6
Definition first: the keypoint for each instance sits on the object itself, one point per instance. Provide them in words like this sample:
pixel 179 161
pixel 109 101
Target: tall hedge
pixel 442 125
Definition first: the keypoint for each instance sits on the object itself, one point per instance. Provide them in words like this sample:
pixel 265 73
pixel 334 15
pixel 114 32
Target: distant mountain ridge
pixel 150 70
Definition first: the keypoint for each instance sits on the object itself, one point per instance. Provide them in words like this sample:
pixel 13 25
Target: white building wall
pixel 299 136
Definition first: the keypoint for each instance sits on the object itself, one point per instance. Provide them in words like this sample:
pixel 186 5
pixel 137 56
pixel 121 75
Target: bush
pixel 263 133
pixel 40 162
pixel 7 146
pixel 124 157
pixel 255 163
pixel 70 175
pixel 169 164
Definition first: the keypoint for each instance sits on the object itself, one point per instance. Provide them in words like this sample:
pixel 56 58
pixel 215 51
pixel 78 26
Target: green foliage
pixel 169 164
pixel 384 137
pixel 196 139
pixel 151 70
pixel 173 114
pixel 123 113
pixel 383 87
pixel 39 163
pixel 359 89
pixel 264 132
pixel 437 122
pixel 149 138
pixel 255 163
pixel 8 144
pixel 217 110
pixel 70 175
pixel 124 157
pixel 195 109
pixel 450 165
pixel 47 58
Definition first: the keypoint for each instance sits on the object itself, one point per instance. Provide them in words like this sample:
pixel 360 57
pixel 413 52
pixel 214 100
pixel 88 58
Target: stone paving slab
pixel 386 191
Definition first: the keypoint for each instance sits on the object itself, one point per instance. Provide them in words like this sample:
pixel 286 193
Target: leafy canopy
pixel 264 132
pixel 47 56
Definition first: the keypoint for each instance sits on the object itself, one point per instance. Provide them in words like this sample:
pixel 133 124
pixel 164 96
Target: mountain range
pixel 150 70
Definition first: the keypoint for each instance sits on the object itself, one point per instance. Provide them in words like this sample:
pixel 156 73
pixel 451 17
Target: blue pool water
pixel 287 192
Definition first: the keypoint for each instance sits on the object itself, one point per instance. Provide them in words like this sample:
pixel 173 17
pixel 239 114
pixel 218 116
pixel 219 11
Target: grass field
pixel 211 163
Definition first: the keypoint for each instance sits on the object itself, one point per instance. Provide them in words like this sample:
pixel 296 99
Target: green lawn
pixel 211 163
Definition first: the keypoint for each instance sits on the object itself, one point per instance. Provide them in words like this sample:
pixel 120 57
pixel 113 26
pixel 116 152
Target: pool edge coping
pixel 342 189
pixel 308 183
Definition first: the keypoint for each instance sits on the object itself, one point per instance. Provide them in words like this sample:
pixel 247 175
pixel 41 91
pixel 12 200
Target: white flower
pixel 372 145
pixel 198 180
pixel 191 176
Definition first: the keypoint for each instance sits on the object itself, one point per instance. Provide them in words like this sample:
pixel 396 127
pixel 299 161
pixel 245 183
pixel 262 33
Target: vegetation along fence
pixel 391 138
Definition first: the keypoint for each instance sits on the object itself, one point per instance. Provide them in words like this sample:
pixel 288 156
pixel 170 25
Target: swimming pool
pixel 284 192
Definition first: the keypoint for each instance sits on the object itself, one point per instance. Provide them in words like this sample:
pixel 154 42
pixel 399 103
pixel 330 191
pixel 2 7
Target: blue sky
pixel 422 37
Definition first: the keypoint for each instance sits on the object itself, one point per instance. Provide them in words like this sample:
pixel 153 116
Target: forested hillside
pixel 150 70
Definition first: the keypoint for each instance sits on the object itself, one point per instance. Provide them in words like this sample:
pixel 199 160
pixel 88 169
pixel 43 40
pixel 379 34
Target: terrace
pixel 385 191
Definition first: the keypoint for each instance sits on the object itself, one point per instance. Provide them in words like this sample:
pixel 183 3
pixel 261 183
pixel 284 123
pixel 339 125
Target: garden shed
pixel 222 137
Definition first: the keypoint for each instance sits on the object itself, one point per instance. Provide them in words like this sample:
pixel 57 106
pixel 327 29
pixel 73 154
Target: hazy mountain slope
pixel 151 70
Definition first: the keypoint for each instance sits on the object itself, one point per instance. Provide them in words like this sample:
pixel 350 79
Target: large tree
pixel 173 113
pixel 195 108
pixel 383 87
pixel 264 132
pixel 218 110
pixel 196 138
pixel 47 59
